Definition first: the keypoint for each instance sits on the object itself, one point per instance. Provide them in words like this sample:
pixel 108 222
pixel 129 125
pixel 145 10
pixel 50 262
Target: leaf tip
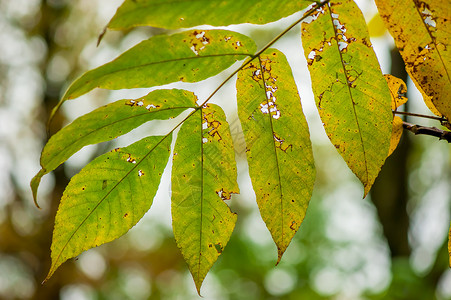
pixel 34 184
pixel 49 275
pixel 280 252
pixel 101 35
pixel 367 188
pixel 198 286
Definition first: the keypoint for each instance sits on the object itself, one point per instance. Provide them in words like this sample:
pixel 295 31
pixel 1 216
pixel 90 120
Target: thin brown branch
pixel 441 119
pixel 432 131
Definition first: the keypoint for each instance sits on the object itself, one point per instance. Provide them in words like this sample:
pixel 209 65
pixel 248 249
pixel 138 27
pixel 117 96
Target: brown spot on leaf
pixel 218 247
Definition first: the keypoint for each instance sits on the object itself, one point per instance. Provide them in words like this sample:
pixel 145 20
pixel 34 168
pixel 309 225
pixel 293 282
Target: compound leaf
pixel 351 94
pixel 421 30
pixel 278 145
pixel 203 176
pixel 109 122
pixel 184 14
pixel 188 56
pixel 108 197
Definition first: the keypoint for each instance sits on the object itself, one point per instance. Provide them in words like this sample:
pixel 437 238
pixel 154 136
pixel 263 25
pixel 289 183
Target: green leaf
pixel 203 176
pixel 108 197
pixel 188 56
pixel 109 122
pixel 421 30
pixel 351 94
pixel 184 14
pixel 278 145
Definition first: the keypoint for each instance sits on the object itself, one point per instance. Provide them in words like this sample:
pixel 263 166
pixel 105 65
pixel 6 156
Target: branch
pixel 433 131
pixel 441 119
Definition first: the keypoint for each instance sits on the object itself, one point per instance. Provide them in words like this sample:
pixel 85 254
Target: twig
pixel 433 131
pixel 441 119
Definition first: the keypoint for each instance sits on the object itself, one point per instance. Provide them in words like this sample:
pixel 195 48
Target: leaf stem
pixel 441 119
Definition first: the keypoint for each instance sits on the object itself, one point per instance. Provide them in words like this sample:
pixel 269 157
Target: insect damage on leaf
pixel 171 60
pixel 280 143
pixel 352 96
pixel 142 102
pixel 211 127
pixel 421 32
pixel 199 41
pixel 203 176
pixel 108 197
pixel 268 104
pixel 108 122
pixel 398 91
pixel 277 144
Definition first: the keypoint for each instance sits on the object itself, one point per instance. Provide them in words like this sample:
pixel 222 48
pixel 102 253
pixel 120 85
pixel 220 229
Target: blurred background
pixel 390 245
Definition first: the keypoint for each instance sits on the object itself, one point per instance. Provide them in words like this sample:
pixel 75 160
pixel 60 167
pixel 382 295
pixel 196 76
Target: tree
pixel 356 105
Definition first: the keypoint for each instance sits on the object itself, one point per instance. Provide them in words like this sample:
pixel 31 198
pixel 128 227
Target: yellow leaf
pixel 449 245
pixel 351 94
pixel 396 134
pixel 376 26
pixel 421 30
pixel 398 91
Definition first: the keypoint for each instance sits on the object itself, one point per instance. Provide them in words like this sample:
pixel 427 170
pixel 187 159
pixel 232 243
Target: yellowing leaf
pixel 108 197
pixel 203 176
pixel 109 122
pixel 421 30
pixel 189 56
pixel 278 146
pixel 376 27
pixel 351 94
pixel 398 92
pixel 449 245
pixel 184 14
pixel 396 134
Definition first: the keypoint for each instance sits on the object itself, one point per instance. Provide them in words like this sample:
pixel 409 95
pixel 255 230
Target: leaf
pixel 351 94
pixel 109 122
pixel 449 245
pixel 396 134
pixel 184 14
pixel 421 30
pixel 376 27
pixel 203 176
pixel 398 91
pixel 188 56
pixel 278 146
pixel 108 197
